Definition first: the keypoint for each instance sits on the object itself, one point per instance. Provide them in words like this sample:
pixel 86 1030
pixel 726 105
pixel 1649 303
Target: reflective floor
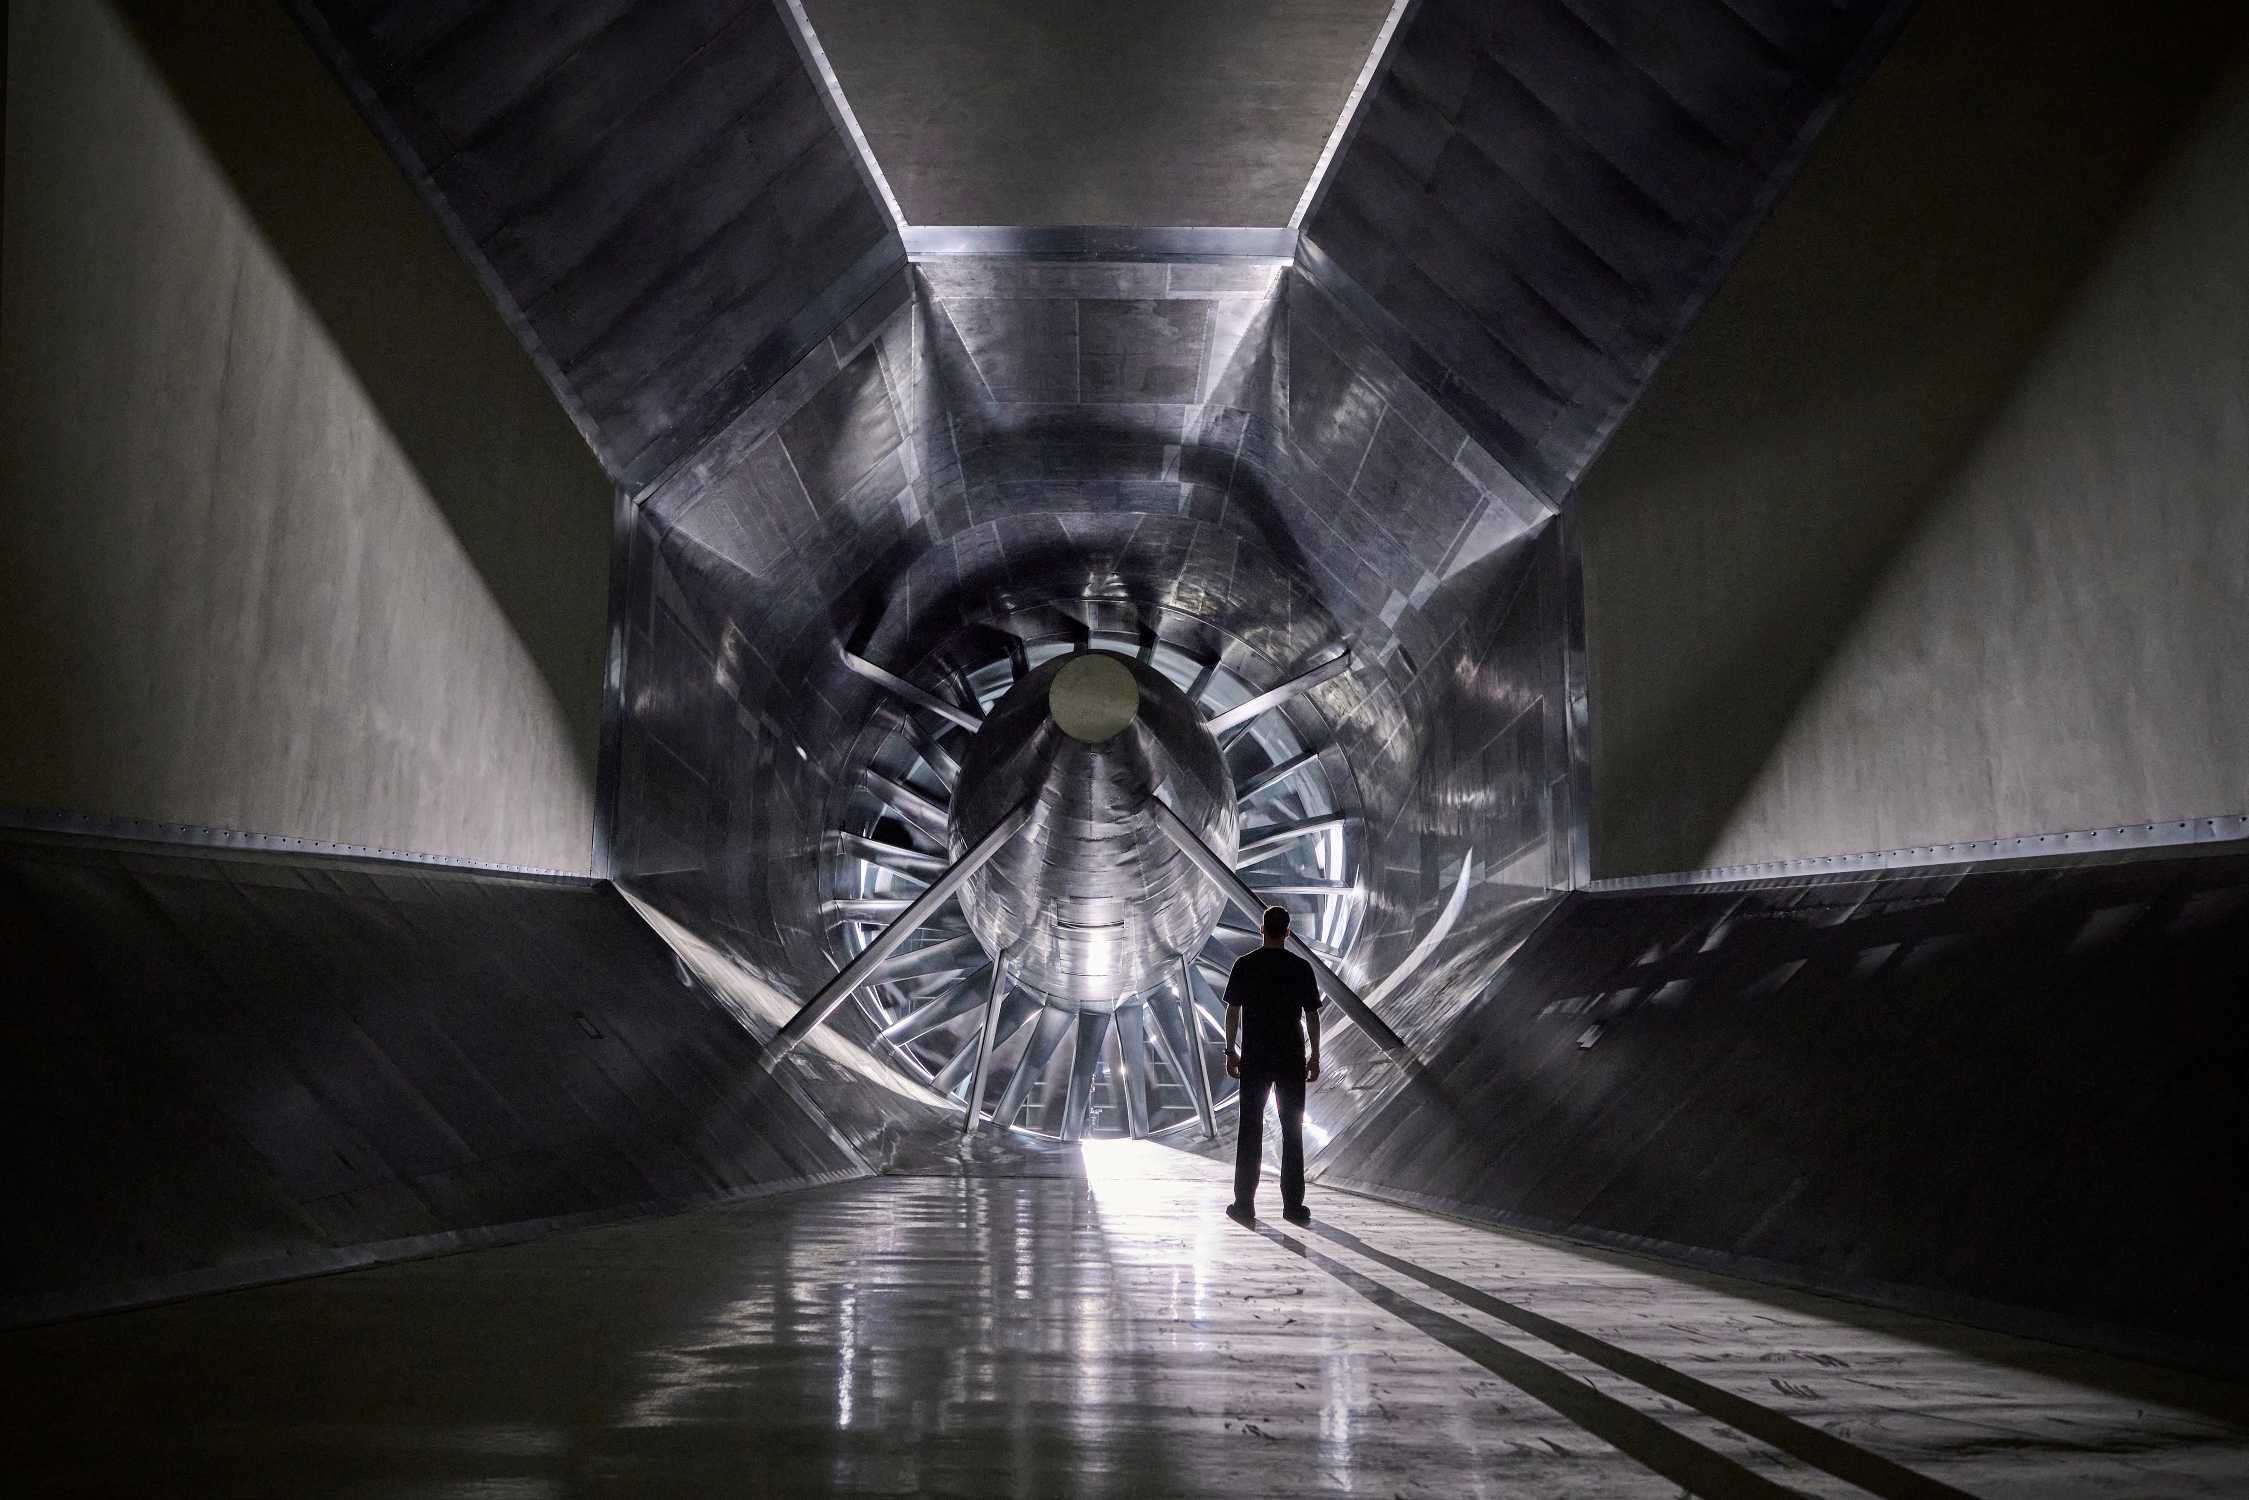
pixel 1101 1331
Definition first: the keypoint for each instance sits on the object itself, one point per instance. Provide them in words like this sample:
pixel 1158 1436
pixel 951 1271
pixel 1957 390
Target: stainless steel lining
pixel 1095 901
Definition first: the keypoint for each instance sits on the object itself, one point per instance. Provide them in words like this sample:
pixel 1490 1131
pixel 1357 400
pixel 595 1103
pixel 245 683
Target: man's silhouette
pixel 1272 1006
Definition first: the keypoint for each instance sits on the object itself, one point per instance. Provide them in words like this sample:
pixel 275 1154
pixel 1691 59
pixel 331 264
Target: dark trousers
pixel 1286 1084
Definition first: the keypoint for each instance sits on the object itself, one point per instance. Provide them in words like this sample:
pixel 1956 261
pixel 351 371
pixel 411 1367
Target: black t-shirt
pixel 1273 987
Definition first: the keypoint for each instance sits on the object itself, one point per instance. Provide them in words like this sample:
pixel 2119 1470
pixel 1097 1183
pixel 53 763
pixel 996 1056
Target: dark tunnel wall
pixel 228 1069
pixel 2010 1096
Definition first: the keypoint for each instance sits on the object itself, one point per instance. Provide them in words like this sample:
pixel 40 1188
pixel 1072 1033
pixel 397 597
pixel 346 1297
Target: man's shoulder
pixel 1261 961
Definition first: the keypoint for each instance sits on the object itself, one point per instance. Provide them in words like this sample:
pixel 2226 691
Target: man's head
pixel 1276 926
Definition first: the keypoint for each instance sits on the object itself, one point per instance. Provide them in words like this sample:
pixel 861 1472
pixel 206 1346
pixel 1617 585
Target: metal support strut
pixel 862 968
pixel 987 1043
pixel 1238 891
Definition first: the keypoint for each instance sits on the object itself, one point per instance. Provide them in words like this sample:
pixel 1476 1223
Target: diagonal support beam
pixel 1077 1104
pixel 1182 1047
pixel 1038 1051
pixel 1274 697
pixel 987 1043
pixel 1241 938
pixel 1128 1066
pixel 941 760
pixel 866 909
pixel 891 857
pixel 947 1005
pixel 952 956
pixel 1261 844
pixel 1272 776
pixel 862 968
pixel 905 692
pixel 1238 892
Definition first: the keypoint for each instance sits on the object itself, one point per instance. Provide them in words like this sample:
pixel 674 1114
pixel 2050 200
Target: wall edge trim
pixel 2131 840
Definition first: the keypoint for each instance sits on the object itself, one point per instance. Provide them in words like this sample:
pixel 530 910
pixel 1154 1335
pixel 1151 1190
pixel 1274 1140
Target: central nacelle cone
pixel 1093 902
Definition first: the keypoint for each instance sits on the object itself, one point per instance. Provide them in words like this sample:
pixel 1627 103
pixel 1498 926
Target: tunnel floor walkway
pixel 1104 1331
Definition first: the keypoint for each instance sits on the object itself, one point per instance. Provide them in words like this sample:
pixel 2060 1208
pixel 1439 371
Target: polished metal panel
pixel 1096 903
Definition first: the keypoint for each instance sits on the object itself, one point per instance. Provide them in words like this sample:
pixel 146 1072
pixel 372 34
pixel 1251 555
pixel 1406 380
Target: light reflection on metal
pixel 1038 1050
pixel 1128 1065
pixel 919 810
pixel 1273 775
pixel 1272 698
pixel 1438 931
pixel 1094 902
pixel 1193 1061
pixel 899 688
pixel 906 763
pixel 987 1043
pixel 902 861
pixel 867 908
pixel 1093 1034
pixel 1263 843
pixel 871 958
pixel 954 955
pixel 947 1005
pixel 941 761
pixel 1237 891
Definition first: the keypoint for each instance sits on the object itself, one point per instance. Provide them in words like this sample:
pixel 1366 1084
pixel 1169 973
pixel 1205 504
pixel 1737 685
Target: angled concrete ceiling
pixel 1164 112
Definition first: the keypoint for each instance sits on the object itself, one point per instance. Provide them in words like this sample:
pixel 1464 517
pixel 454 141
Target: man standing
pixel 1272 1007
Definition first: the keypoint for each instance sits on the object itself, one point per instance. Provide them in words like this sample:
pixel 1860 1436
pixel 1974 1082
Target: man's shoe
pixel 1297 1215
pixel 1241 1215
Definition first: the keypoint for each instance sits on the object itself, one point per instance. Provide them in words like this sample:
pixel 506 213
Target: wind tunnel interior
pixel 1201 467
pixel 839 465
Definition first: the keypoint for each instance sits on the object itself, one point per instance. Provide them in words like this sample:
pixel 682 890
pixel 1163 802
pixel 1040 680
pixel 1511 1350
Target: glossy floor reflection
pixel 1102 1332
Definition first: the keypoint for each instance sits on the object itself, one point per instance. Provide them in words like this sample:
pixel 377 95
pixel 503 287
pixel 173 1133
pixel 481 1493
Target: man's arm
pixel 1312 1054
pixel 1233 1027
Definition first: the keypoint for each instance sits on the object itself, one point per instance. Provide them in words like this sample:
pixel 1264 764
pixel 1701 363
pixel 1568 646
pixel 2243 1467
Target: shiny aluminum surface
pixel 1093 901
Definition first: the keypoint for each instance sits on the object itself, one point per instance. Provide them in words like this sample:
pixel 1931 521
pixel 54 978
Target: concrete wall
pixel 297 542
pixel 1168 112
pixel 1936 528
